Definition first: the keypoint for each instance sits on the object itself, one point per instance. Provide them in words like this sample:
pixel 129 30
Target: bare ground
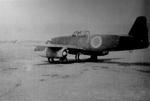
pixel 120 76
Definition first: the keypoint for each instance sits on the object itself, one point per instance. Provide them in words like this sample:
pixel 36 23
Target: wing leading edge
pixel 43 46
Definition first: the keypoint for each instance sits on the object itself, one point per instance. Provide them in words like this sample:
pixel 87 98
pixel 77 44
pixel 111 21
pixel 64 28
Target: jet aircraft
pixel 82 42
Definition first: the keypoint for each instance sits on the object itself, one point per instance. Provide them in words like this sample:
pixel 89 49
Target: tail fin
pixel 139 29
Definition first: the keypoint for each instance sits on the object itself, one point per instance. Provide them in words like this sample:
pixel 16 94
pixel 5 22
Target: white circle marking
pixel 96 41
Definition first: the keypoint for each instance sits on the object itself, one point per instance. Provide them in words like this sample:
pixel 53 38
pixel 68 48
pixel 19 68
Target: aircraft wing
pixel 43 46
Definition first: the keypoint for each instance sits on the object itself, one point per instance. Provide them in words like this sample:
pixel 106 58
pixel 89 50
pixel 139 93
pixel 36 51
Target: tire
pixel 64 53
pixel 50 60
pixel 64 56
pixel 63 59
pixel 93 58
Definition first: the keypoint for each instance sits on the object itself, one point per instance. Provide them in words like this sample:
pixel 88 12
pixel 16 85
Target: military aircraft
pixel 81 42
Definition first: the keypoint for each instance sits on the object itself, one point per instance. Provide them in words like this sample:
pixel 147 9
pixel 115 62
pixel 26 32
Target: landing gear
pixel 64 56
pixel 77 57
pixel 93 58
pixel 50 59
pixel 63 59
pixel 64 53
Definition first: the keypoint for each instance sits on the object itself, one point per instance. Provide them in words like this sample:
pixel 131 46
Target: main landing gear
pixel 63 57
pixel 50 59
pixel 93 58
pixel 77 57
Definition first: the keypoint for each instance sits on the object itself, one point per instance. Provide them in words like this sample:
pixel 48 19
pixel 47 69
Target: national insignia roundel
pixel 96 41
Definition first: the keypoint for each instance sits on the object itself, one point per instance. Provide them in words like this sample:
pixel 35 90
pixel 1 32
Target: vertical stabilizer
pixel 139 29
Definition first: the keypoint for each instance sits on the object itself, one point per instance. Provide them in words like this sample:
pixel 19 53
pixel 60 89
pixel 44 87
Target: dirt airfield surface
pixel 120 76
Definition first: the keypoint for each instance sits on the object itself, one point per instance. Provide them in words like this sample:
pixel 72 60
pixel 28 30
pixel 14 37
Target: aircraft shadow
pixel 104 60
pixel 129 63
pixel 144 71
pixel 72 61
pixel 126 64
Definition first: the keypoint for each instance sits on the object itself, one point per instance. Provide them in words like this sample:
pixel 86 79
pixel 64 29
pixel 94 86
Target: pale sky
pixel 43 19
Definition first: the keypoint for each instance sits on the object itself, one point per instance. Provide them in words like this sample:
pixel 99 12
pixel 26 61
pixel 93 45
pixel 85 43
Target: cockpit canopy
pixel 80 33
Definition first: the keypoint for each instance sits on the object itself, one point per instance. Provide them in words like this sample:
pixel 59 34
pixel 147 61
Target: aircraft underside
pixel 61 54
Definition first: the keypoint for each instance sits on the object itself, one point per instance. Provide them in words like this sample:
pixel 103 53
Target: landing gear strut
pixel 64 56
pixel 77 57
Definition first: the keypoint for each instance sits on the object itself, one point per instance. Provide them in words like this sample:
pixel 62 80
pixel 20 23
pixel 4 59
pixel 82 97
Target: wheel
pixel 63 59
pixel 64 53
pixel 93 58
pixel 64 56
pixel 50 60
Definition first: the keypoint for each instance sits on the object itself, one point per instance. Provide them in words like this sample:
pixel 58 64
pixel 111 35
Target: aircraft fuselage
pixel 97 44
pixel 82 42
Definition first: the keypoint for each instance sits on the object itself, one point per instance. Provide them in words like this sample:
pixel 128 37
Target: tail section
pixel 139 29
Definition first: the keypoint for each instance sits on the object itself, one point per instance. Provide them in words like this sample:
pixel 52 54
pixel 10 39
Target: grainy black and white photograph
pixel 74 50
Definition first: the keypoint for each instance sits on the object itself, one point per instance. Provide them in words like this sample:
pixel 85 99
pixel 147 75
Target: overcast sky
pixel 43 19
